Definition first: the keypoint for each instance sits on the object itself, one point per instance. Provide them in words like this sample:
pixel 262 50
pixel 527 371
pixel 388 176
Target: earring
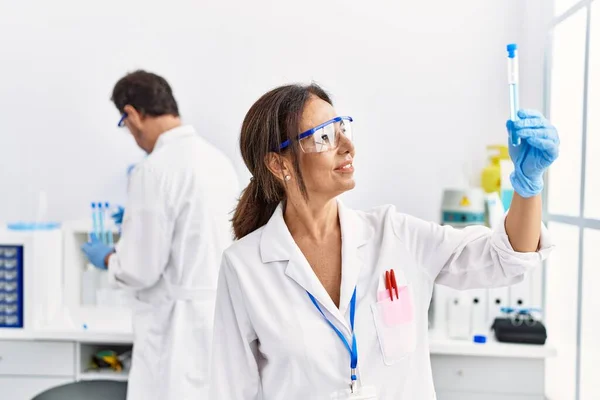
pixel 287 178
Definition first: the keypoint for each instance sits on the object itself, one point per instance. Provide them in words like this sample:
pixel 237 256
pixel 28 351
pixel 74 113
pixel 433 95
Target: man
pixel 175 227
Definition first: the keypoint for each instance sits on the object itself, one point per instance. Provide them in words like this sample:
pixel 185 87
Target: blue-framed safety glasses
pixel 323 137
pixel 122 120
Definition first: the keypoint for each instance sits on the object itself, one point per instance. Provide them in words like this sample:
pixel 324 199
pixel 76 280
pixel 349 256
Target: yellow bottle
pixel 491 175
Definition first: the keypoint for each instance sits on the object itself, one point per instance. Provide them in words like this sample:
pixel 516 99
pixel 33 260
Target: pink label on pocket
pixel 399 311
pixel 383 295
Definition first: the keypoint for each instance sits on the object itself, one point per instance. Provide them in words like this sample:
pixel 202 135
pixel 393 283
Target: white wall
pixel 425 82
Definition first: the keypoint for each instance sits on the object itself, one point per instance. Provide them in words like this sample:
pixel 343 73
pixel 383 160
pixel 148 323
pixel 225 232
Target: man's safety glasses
pixel 122 120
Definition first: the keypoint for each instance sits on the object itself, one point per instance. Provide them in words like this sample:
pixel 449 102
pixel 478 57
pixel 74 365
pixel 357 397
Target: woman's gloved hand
pixel 538 149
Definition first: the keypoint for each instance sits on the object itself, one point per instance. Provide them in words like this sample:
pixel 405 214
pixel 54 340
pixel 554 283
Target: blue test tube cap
pixel 511 48
pixel 479 338
pixel 93 205
pixel 106 205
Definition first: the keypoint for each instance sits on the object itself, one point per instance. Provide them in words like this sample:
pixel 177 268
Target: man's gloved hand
pixel 96 251
pixel 117 216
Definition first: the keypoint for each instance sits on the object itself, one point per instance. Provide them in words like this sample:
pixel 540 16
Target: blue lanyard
pixel 351 349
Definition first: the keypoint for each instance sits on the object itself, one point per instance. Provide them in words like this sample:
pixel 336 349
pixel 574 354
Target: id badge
pixel 363 393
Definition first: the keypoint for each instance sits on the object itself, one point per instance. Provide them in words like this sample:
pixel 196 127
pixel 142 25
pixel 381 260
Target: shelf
pixel 104 375
pixel 86 354
pixel 440 345
pixel 86 336
pixel 16 334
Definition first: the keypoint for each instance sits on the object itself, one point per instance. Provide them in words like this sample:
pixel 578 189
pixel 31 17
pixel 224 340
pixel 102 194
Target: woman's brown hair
pixel 273 119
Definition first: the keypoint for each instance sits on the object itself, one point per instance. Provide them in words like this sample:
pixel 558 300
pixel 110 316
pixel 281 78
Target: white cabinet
pixel 483 396
pixel 37 358
pixel 28 367
pixel 461 370
pixel 458 377
pixel 25 388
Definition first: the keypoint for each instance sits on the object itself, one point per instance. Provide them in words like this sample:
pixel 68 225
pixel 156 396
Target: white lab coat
pixel 175 228
pixel 271 343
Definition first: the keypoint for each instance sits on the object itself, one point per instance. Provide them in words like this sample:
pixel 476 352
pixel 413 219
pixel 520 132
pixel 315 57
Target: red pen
pixel 394 284
pixel 388 284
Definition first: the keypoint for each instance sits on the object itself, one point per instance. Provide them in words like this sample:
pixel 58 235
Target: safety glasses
pixel 122 120
pixel 323 137
pixel 522 316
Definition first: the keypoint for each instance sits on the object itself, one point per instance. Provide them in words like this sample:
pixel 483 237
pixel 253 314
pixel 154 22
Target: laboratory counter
pixel 438 343
pixel 33 362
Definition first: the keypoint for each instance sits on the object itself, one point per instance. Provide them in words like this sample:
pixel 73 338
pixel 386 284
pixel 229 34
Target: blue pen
pixel 109 234
pixel 95 220
pixel 101 223
pixel 513 87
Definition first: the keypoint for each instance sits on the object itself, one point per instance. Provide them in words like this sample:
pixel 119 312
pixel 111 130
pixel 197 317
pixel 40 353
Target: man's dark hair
pixel 148 93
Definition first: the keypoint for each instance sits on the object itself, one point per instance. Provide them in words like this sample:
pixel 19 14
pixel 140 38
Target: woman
pixel 304 306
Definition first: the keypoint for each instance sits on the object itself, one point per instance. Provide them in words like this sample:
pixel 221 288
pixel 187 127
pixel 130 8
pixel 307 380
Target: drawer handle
pixel 459 372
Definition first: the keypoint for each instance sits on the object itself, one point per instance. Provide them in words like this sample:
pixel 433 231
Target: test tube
pixel 513 87
pixel 95 220
pixel 109 234
pixel 102 236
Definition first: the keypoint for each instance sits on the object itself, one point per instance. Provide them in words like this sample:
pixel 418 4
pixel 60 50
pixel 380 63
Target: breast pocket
pixel 395 325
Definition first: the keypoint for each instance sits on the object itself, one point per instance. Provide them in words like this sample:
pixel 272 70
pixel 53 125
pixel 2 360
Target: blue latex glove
pixel 538 149
pixel 96 251
pixel 117 216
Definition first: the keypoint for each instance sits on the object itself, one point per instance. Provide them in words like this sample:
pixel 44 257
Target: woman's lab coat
pixel 175 227
pixel 271 342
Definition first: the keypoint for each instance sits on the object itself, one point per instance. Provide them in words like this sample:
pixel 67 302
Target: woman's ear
pixel 279 166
